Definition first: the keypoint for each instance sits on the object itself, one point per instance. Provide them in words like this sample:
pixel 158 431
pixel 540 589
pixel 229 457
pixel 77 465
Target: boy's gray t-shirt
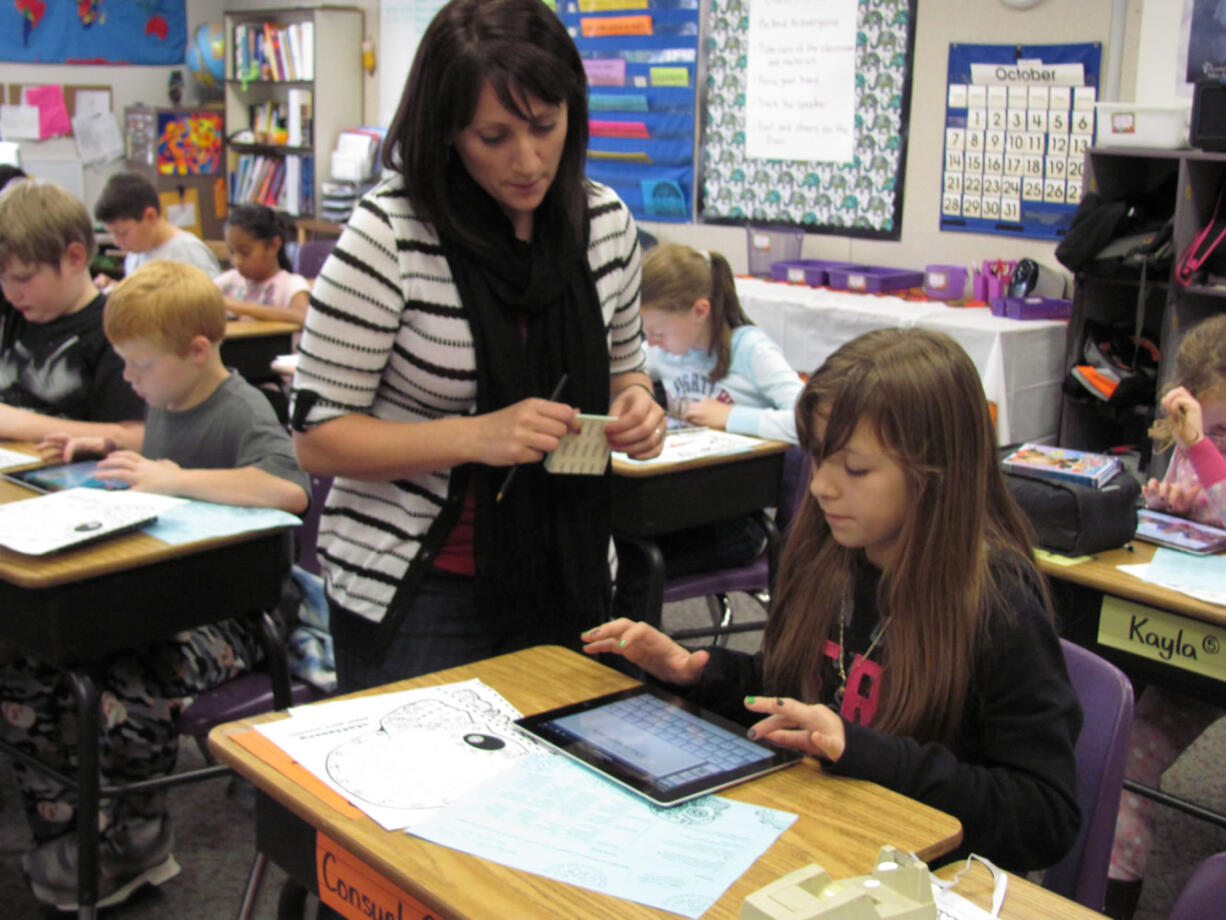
pixel 234 427
pixel 182 247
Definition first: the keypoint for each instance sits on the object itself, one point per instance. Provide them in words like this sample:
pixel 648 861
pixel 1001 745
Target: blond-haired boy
pixel 57 370
pixel 209 435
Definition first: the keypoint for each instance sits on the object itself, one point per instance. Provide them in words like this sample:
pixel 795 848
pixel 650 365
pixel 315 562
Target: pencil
pixel 506 483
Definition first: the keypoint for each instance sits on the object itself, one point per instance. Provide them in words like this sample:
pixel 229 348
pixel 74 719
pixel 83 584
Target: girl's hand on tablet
pixel 647 647
pixel 815 730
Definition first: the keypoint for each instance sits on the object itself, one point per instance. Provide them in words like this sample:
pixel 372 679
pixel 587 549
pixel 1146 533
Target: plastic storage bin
pixel 772 244
pixel 1031 307
pixel 872 278
pixel 1125 124
pixel 812 272
pixel 946 282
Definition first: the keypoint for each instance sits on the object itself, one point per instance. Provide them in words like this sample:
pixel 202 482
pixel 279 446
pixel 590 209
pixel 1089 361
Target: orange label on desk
pixel 352 888
pixel 1180 641
pixel 272 755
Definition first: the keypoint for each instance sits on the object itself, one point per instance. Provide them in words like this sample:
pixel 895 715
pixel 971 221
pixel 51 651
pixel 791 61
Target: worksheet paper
pixel 1202 577
pixel 190 521
pixel 400 757
pixel 552 817
pixel 694 443
pixel 47 523
pixel 12 458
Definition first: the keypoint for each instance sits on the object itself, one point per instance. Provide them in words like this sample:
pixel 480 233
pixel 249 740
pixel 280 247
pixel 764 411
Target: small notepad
pixel 584 452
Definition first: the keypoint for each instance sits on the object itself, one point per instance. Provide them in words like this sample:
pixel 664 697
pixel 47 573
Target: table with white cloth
pixel 1021 362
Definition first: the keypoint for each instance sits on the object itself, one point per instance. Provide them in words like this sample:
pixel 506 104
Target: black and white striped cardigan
pixel 385 336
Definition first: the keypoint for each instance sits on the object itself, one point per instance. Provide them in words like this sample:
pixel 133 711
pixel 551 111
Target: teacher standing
pixel 465 287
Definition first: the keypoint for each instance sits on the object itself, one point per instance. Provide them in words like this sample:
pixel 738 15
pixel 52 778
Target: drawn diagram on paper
pixel 403 756
pixel 436 749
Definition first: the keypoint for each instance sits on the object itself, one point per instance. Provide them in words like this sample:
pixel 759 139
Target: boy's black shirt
pixel 65 368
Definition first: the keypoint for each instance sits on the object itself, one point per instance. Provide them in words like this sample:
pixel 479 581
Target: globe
pixel 206 58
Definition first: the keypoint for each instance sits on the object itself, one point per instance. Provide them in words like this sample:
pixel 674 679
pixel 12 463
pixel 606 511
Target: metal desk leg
pixel 655 575
pixel 86 693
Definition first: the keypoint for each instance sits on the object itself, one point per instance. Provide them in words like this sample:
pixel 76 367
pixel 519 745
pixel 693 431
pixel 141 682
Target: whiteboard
pixel 401 24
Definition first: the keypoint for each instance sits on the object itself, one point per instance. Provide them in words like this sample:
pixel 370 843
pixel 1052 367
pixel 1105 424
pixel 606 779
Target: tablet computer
pixel 658 745
pixel 1179 533
pixel 64 476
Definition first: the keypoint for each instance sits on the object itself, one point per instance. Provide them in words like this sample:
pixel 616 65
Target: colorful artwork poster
pixel 189 143
pixel 97 32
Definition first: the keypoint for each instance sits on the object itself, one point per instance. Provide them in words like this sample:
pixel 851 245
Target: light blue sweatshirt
pixel 760 385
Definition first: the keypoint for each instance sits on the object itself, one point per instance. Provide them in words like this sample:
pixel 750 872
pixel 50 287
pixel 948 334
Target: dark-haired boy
pixel 130 209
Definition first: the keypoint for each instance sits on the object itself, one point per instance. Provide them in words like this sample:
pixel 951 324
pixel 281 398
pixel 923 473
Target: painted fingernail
pixel 751 699
pixel 779 701
pixel 751 734
pixel 621 644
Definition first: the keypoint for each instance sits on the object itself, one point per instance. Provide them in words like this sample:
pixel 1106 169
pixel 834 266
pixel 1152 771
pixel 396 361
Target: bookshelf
pixel 1182 184
pixel 293 83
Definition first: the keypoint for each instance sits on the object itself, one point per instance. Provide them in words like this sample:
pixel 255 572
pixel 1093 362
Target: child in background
pixel 1166 722
pixel 911 639
pixel 210 435
pixel 130 209
pixel 262 285
pixel 57 370
pixel 718 370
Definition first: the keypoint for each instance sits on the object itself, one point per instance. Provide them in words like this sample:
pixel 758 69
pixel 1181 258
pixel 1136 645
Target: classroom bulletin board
pixel 641 58
pixel 1018 120
pixel 861 192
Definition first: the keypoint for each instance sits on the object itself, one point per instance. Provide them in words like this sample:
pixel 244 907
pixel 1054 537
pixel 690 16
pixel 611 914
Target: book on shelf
pixel 274 51
pixel 298 117
pixel 1062 464
pixel 283 182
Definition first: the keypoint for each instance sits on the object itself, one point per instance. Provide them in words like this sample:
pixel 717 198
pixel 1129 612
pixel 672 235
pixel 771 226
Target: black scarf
pixel 542 552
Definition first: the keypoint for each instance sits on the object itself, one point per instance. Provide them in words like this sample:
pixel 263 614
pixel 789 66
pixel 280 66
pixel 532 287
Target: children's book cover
pixel 1063 464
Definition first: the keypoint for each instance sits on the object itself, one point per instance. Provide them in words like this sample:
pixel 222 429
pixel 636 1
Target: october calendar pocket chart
pixel 1018 121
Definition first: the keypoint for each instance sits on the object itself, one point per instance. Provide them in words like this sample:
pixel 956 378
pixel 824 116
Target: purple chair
pixel 755 579
pixel 263 691
pixel 1102 749
pixel 1204 893
pixel 310 257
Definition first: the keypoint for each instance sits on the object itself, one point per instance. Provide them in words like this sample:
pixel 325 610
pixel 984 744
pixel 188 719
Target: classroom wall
pixel 131 85
pixel 938 23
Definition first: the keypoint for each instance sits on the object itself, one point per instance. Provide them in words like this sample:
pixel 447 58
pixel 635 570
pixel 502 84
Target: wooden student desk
pixel 75 607
pixel 1127 621
pixel 251 344
pixel 842 822
pixel 658 498
pixel 1096 603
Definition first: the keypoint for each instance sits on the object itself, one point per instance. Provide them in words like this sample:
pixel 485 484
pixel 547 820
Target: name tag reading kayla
pixel 1186 643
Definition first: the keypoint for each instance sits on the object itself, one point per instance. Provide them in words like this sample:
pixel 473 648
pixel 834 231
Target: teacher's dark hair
pixel 522 48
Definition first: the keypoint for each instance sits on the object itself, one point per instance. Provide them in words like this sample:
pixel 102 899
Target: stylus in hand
pixel 506 483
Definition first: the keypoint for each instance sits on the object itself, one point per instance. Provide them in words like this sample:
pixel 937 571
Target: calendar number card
pixel 1018 121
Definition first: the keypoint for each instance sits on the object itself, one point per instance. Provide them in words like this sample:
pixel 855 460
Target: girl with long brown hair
pixel 910 642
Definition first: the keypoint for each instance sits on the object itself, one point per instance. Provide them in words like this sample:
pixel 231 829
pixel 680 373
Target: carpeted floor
pixel 214 836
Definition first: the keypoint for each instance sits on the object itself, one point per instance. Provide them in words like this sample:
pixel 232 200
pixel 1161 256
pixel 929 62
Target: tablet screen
pixel 1179 533
pixel 656 744
pixel 65 476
